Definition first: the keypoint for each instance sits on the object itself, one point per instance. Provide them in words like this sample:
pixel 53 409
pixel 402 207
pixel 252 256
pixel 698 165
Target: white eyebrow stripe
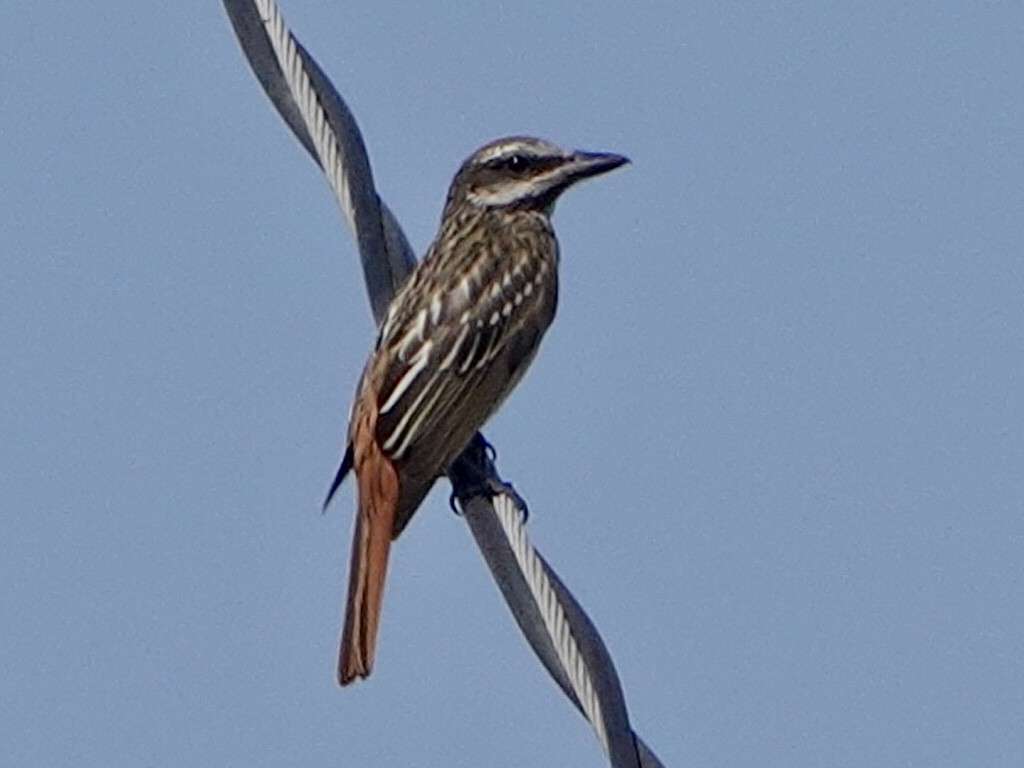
pixel 533 148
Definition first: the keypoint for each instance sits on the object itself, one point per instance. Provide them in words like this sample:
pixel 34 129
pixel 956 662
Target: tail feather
pixel 346 465
pixel 378 505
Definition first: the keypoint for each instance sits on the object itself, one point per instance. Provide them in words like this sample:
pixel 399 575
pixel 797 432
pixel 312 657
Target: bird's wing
pixel 431 361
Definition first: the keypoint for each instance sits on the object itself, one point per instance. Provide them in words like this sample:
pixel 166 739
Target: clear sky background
pixel 774 441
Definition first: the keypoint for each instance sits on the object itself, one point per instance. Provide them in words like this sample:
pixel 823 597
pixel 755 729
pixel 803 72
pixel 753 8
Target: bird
pixel 455 340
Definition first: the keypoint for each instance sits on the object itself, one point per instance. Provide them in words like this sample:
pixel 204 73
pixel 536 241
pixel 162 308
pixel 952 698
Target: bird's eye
pixel 516 163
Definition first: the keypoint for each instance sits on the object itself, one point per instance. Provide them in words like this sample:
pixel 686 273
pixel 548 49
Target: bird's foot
pixel 488 487
pixel 474 474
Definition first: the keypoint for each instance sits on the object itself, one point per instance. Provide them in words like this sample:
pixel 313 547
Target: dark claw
pixel 488 487
pixel 495 487
pixel 453 502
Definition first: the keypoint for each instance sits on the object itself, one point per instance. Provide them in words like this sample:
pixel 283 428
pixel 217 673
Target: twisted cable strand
pixel 329 152
pixel 551 610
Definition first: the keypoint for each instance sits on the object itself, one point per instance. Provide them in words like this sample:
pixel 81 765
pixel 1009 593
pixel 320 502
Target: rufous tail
pixel 378 504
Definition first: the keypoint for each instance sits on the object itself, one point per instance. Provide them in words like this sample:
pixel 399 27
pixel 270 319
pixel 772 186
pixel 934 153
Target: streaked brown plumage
pixel 456 339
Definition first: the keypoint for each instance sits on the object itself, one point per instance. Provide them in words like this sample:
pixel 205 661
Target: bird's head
pixel 524 172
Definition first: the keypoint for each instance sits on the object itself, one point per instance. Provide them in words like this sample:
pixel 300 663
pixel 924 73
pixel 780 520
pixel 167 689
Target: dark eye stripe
pixel 518 163
pixel 515 163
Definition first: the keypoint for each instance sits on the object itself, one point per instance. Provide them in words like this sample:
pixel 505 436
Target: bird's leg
pixel 473 474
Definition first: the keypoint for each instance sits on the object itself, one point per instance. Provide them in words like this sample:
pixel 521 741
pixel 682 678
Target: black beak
pixel 583 165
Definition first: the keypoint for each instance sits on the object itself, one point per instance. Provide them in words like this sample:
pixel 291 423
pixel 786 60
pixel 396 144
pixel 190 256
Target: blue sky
pixel 773 442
